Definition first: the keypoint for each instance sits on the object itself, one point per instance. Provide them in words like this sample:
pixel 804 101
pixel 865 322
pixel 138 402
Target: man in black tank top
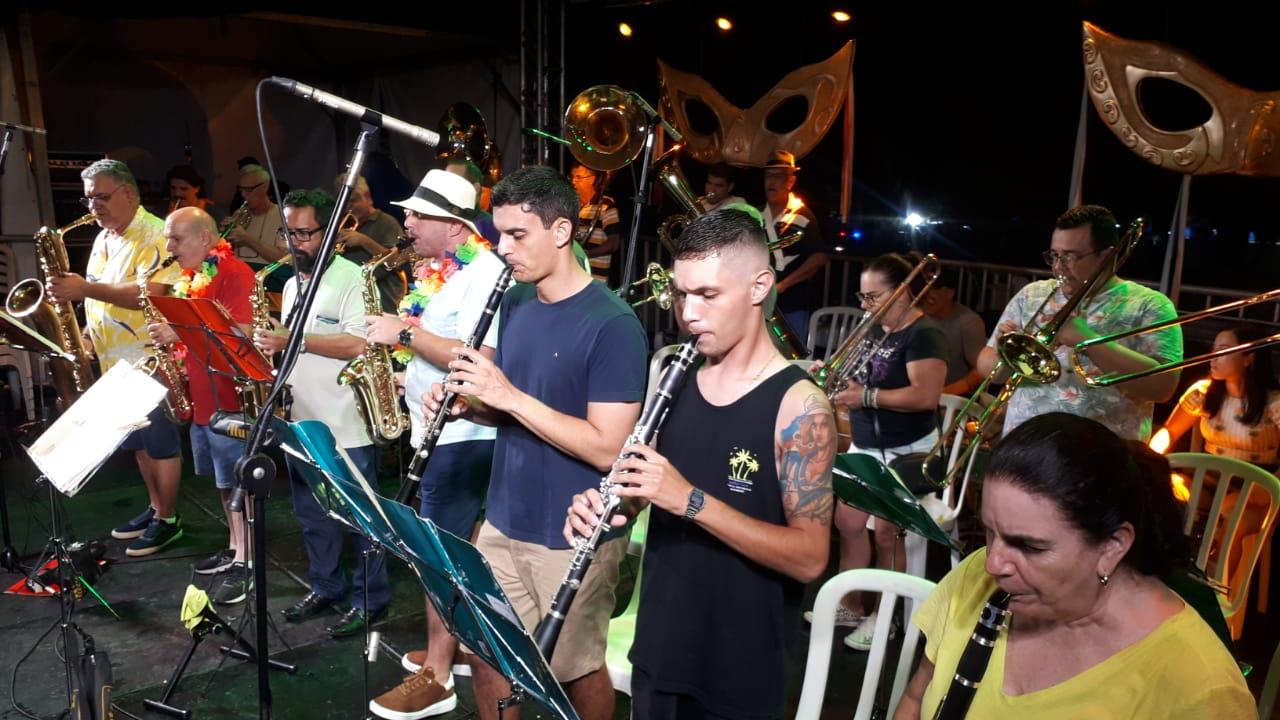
pixel 741 488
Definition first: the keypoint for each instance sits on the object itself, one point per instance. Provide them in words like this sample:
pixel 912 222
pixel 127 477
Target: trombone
pixel 1028 357
pixel 1112 378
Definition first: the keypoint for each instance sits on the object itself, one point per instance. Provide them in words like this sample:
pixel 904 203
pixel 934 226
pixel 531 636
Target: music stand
pixel 863 481
pixel 214 339
pixel 455 575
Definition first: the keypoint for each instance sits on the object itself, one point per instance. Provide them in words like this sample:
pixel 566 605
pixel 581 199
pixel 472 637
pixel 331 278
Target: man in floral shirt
pixel 1083 240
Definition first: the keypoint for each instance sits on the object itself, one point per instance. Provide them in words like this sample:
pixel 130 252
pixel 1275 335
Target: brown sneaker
pixel 419 696
pixel 412 662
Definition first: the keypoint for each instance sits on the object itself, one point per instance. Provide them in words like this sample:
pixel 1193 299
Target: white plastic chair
pixel 622 629
pixel 831 324
pixel 891 585
pixel 657 362
pixel 1223 527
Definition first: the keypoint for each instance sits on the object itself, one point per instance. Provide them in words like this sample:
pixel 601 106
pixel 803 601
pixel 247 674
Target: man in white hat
pixel 433 319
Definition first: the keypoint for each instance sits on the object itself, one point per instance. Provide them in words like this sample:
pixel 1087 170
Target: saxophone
pixel 57 321
pixel 371 374
pixel 160 360
pixel 253 395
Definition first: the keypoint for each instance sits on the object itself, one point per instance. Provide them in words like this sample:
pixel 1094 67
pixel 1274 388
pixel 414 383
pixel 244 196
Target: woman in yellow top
pixel 1081 526
pixel 1238 407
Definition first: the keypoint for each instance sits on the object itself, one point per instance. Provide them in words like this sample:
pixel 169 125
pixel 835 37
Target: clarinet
pixel 422 453
pixel 651 420
pixel 974 659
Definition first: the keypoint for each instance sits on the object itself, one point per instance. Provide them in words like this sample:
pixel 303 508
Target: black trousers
pixel 649 703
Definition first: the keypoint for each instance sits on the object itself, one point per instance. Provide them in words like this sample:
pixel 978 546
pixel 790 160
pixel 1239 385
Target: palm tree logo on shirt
pixel 742 463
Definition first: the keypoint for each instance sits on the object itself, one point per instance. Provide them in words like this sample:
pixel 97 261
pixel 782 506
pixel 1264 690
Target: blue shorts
pixel 455 484
pixel 215 455
pixel 160 439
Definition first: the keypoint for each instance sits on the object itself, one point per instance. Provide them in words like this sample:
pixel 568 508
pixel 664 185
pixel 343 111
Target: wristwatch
pixel 406 336
pixel 696 499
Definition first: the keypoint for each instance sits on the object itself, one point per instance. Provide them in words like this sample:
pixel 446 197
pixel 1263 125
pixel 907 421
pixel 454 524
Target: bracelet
pixel 875 397
pixel 866 397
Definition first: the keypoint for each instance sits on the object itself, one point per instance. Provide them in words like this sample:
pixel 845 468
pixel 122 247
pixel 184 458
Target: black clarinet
pixel 651 419
pixel 422 453
pixel 974 659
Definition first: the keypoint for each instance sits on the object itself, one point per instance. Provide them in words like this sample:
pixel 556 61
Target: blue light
pixel 857 234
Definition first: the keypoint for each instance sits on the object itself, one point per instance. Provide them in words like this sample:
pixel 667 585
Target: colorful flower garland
pixel 195 284
pixel 430 276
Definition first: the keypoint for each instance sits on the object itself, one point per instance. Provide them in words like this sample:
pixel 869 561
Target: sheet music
pixel 70 451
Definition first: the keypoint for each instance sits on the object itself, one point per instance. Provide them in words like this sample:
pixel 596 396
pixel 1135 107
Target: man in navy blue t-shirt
pixel 565 390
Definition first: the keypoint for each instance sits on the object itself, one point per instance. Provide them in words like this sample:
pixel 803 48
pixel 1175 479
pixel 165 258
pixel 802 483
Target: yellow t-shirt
pixel 1180 670
pixel 1224 434
pixel 119 333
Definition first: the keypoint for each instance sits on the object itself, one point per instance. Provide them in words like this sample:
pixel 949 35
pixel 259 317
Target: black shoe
pixel 352 622
pixel 308 607
pixel 216 563
pixel 158 535
pixel 135 527
pixel 236 584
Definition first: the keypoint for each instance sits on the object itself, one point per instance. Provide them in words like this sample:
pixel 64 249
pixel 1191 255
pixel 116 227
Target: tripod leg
pixel 162 705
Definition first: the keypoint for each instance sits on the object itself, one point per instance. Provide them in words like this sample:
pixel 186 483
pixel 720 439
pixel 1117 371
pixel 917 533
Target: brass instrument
pixel 1029 356
pixel 658 279
pixel 603 126
pixel 56 321
pixel 253 395
pixel 349 224
pixel 857 349
pixel 1109 379
pixel 160 360
pixel 238 219
pixel 371 375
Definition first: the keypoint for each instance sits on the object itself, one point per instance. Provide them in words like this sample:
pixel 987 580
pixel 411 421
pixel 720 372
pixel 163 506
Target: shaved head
pixel 193 219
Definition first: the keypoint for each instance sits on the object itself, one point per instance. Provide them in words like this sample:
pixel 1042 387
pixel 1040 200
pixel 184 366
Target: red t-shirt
pixel 232 287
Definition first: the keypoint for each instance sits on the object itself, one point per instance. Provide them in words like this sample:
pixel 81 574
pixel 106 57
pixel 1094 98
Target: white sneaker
pixel 844 617
pixel 863 634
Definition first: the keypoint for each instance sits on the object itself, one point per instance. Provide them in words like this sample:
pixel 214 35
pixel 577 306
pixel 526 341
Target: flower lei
pixel 429 277
pixel 195 284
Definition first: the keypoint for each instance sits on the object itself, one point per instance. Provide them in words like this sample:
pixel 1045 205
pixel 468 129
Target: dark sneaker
pixel 353 621
pixel 236 582
pixel 216 563
pixel 135 527
pixel 158 535
pixel 419 696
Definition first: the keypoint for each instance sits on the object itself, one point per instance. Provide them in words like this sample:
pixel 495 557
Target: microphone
pixel 671 130
pixel 235 425
pixel 431 138
pixel 27 128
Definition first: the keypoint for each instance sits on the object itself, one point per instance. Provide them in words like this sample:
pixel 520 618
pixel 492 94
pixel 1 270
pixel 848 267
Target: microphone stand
pixel 642 194
pixel 255 471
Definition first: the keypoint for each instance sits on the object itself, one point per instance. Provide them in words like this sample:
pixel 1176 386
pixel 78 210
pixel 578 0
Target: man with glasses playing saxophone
pixel 130 245
pixel 334 334
pixel 1082 242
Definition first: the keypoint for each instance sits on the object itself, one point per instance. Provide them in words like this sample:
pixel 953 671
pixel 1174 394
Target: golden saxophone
pixel 160 360
pixel 56 321
pixel 253 395
pixel 371 374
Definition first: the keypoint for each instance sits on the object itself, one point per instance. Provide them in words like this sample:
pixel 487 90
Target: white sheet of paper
pixel 94 426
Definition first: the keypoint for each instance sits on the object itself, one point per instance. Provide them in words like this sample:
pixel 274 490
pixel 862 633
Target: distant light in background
pixel 841 16
pixel 914 219
pixel 857 234
pixel 724 23
pixel 624 30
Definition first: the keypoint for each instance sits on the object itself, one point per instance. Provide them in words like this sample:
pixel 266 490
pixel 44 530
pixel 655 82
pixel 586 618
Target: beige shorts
pixel 530 574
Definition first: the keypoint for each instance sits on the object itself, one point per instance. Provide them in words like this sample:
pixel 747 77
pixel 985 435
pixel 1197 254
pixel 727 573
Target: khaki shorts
pixel 530 574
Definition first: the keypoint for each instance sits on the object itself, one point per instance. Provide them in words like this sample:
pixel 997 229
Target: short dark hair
pixel 1098 481
pixel 722 170
pixel 1102 224
pixel 317 198
pixel 716 231
pixel 187 174
pixel 897 267
pixel 540 190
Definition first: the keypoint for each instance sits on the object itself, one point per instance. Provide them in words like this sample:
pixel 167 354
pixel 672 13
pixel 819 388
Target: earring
pixel 1104 579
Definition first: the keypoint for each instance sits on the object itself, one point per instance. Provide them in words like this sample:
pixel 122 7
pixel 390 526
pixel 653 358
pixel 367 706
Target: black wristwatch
pixel 696 499
pixel 406 336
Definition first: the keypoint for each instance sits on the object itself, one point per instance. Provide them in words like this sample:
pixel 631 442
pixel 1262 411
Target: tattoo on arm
pixel 808 447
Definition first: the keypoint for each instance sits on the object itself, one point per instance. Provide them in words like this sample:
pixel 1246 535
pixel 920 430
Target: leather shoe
pixel 352 622
pixel 308 607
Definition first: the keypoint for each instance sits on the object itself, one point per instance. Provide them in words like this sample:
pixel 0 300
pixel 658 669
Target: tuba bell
pixel 603 127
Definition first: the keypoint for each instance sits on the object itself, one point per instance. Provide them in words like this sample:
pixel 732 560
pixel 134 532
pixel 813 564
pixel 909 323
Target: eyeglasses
pixel 299 234
pixel 871 298
pixel 1052 258
pixel 101 199
pixel 244 189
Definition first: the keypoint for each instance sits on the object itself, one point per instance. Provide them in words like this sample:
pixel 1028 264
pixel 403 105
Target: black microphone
pixel 427 137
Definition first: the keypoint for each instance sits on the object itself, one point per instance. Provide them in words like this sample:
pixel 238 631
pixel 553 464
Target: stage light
pixel 624 30
pixel 914 219
pixel 724 23
pixel 841 16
